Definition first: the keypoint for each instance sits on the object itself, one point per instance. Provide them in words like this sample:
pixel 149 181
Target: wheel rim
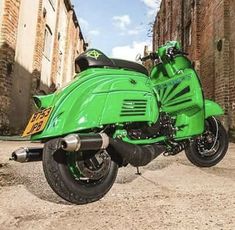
pixel 208 151
pixel 88 165
pixel 208 144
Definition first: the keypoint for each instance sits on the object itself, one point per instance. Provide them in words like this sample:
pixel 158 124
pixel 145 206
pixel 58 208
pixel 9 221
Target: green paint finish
pixel 43 102
pixel 98 97
pixel 144 142
pixel 212 109
pixel 101 96
pixel 71 162
pixel 182 98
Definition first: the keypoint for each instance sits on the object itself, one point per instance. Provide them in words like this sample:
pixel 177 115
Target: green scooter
pixel 114 113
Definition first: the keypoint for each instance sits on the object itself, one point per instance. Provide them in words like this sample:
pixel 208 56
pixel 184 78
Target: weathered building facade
pixel 205 30
pixel 39 41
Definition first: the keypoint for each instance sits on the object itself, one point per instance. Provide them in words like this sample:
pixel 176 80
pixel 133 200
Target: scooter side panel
pixel 182 98
pixel 97 98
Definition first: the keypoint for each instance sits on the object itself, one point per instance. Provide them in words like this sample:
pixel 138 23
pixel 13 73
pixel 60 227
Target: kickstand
pixel 138 171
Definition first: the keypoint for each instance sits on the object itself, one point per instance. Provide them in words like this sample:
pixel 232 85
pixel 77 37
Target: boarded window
pixel 47 43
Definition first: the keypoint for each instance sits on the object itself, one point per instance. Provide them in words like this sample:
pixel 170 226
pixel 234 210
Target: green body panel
pixel 181 96
pixel 180 93
pixel 98 97
pixel 212 109
pixel 101 96
pixel 44 101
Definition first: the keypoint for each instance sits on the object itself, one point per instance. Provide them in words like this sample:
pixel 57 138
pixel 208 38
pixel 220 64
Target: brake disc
pixel 96 167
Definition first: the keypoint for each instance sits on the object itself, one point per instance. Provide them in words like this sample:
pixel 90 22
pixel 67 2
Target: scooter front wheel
pixel 81 177
pixel 210 148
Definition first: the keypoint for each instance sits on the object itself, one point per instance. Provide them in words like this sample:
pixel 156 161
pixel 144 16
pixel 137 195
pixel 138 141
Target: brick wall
pixel 8 36
pixel 38 50
pixel 167 25
pixel 69 38
pixel 55 56
pixel 231 83
pixel 74 46
pixel 67 45
pixel 207 33
pixel 9 26
pixel 190 14
pixel 207 59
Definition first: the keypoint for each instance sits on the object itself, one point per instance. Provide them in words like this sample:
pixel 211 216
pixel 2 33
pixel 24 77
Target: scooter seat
pixel 129 65
pixel 94 58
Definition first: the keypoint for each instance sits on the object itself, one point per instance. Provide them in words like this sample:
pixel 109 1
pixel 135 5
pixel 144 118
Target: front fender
pixel 212 109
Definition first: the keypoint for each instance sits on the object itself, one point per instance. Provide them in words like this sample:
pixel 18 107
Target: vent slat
pixel 133 108
pixel 134 111
pixel 135 114
pixel 135 101
pixel 136 104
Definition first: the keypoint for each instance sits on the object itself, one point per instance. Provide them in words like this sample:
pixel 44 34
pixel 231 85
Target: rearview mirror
pixel 138 57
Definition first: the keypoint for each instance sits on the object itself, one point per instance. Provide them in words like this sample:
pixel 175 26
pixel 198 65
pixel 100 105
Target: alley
pixel 170 194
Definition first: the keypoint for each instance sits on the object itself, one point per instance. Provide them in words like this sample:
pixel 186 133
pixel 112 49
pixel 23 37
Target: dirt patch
pixel 3 165
pixel 6 177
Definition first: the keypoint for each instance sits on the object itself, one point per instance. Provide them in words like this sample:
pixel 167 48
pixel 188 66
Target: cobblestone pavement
pixel 170 194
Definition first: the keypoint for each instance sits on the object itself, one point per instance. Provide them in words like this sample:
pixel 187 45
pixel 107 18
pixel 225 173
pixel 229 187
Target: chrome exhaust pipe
pixel 75 142
pixel 71 143
pixel 27 155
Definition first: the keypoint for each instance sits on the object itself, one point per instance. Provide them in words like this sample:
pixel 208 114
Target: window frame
pixel 52 3
pixel 47 47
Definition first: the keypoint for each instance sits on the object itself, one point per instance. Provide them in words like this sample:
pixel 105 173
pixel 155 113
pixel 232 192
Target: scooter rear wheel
pixel 75 179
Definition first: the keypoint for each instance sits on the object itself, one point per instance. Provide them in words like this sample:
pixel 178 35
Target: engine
pixel 163 127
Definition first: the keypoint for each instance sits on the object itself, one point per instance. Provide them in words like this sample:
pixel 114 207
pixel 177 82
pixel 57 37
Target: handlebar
pixel 171 52
pixel 152 56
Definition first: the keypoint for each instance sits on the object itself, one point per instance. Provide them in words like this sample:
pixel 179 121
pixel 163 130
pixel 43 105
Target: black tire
pixel 63 183
pixel 196 158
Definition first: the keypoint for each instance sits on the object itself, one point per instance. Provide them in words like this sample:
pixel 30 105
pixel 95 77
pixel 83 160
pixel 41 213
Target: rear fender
pixel 212 109
pixel 101 97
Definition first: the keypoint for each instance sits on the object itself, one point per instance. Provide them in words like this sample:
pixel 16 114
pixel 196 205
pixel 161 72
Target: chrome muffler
pixel 75 142
pixel 27 155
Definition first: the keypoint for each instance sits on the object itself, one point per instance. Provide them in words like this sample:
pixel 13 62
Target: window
pixel 47 42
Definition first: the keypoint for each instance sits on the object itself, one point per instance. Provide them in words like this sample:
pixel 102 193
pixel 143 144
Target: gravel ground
pixel 170 194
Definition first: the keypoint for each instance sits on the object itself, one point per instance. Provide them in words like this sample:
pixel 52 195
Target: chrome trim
pixel 71 143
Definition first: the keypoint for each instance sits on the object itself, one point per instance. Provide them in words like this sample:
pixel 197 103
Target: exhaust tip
pixel 19 155
pixel 63 144
pixel 70 143
pixel 13 157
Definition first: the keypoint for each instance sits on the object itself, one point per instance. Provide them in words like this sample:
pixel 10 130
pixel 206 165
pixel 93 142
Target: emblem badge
pixel 93 54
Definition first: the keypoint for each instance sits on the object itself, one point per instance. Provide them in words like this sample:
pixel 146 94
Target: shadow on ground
pixel 31 176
